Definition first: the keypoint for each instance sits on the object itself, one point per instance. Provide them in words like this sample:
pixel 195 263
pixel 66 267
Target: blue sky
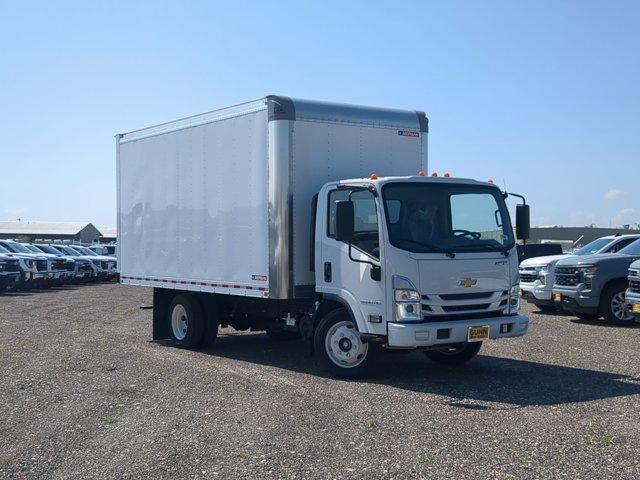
pixel 541 96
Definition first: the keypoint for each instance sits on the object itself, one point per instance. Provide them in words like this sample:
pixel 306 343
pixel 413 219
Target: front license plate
pixel 477 334
pixel 636 308
pixel 557 297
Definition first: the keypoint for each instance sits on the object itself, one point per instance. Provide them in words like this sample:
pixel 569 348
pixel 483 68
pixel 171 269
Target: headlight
pixel 407 296
pixel 587 273
pixel 514 299
pixel 408 307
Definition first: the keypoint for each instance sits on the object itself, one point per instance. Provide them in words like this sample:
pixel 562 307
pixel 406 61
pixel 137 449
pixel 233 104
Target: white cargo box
pixel 221 202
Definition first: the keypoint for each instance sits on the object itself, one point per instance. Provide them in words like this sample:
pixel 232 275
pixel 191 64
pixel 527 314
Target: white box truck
pixel 268 216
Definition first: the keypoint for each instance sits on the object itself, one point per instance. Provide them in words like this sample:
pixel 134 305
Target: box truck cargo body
pixel 237 217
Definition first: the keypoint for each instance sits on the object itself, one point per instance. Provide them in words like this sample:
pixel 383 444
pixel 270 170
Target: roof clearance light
pixel 421 173
pixel 434 174
pixel 447 174
pixel 490 180
pixel 373 176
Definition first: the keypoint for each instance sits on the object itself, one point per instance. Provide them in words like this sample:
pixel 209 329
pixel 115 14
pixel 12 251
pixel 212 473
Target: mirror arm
pixel 524 200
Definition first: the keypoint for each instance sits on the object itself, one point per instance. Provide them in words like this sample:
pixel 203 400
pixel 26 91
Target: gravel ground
pixel 85 394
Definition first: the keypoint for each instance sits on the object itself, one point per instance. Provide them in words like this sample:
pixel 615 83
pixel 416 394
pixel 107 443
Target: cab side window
pixel 366 219
pixel 620 245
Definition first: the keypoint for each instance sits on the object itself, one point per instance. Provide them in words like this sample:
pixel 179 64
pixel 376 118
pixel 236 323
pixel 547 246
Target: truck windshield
pixel 435 217
pixel 16 247
pixel 631 249
pixel 593 247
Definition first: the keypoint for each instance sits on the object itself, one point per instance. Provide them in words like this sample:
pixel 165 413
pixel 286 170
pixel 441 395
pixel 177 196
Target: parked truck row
pixel 25 266
pixel 315 220
pixel 598 280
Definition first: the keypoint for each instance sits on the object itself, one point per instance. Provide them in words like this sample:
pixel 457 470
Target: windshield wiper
pixel 428 247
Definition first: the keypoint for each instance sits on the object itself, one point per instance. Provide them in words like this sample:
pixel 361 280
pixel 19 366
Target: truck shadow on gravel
pixel 485 379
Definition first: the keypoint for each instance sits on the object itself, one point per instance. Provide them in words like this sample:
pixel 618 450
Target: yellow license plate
pixel 477 334
pixel 635 308
pixel 557 297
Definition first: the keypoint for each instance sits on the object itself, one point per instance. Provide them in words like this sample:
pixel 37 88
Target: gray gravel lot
pixel 85 394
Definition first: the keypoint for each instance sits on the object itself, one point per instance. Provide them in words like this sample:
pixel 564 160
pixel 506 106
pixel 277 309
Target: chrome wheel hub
pixel 620 307
pixel 343 345
pixel 179 323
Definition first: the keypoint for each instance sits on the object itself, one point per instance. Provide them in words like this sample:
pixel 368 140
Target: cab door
pixel 352 272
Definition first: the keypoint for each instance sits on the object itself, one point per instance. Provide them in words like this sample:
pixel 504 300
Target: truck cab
pixel 418 262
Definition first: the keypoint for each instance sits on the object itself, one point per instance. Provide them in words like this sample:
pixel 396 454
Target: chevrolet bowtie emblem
pixel 467 282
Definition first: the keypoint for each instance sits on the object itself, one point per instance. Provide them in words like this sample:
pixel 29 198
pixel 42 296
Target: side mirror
pixel 345 221
pixel 522 222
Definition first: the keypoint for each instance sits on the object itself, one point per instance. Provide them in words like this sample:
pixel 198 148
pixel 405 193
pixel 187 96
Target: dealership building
pixel 69 232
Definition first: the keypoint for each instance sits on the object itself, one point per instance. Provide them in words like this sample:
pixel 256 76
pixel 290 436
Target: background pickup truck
pixel 593 286
pixel 537 275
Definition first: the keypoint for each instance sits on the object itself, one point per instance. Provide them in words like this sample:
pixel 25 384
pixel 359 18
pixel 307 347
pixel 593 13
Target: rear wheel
pixel 186 321
pixel 338 344
pixel 454 354
pixel 614 305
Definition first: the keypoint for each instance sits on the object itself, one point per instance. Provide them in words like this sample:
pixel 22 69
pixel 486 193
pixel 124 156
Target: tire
pixel 613 305
pixel 458 355
pixel 339 348
pixel 186 321
pixel 587 317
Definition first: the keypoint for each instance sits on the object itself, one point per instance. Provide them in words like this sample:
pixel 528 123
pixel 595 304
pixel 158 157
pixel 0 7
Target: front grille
pixel 634 285
pixel 528 277
pixel 465 296
pixel 71 266
pixel 41 265
pixel 451 318
pixel 567 276
pixel 465 308
pixel 10 266
pixel 59 265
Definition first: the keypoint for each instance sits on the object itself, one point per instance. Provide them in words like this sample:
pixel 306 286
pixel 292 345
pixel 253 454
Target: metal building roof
pixel 42 228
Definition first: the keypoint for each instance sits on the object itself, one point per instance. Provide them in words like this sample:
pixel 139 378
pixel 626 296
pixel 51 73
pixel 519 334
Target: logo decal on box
pixel 408 133
pixel 259 278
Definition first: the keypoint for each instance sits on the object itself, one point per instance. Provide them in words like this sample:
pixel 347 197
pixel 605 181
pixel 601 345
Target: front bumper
pixel 633 299
pixel 536 293
pixel 578 299
pixel 413 335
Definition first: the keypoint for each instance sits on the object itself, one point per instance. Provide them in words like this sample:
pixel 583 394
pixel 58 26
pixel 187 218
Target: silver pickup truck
pixel 594 286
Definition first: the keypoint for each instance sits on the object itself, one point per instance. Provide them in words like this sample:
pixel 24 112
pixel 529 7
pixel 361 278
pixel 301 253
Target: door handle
pixel 327 272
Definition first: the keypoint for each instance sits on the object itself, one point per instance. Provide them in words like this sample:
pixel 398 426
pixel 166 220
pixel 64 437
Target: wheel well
pixel 611 282
pixel 328 305
pixel 608 285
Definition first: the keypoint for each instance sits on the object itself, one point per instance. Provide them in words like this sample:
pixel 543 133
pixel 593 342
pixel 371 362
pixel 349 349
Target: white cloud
pixel 613 194
pixel 626 215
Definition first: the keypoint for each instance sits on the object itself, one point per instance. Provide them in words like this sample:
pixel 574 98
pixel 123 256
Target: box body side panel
pixel 193 207
pixel 329 151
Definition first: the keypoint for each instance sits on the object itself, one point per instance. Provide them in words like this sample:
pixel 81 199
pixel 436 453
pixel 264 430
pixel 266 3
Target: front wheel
pixel 614 305
pixel 454 354
pixel 338 344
